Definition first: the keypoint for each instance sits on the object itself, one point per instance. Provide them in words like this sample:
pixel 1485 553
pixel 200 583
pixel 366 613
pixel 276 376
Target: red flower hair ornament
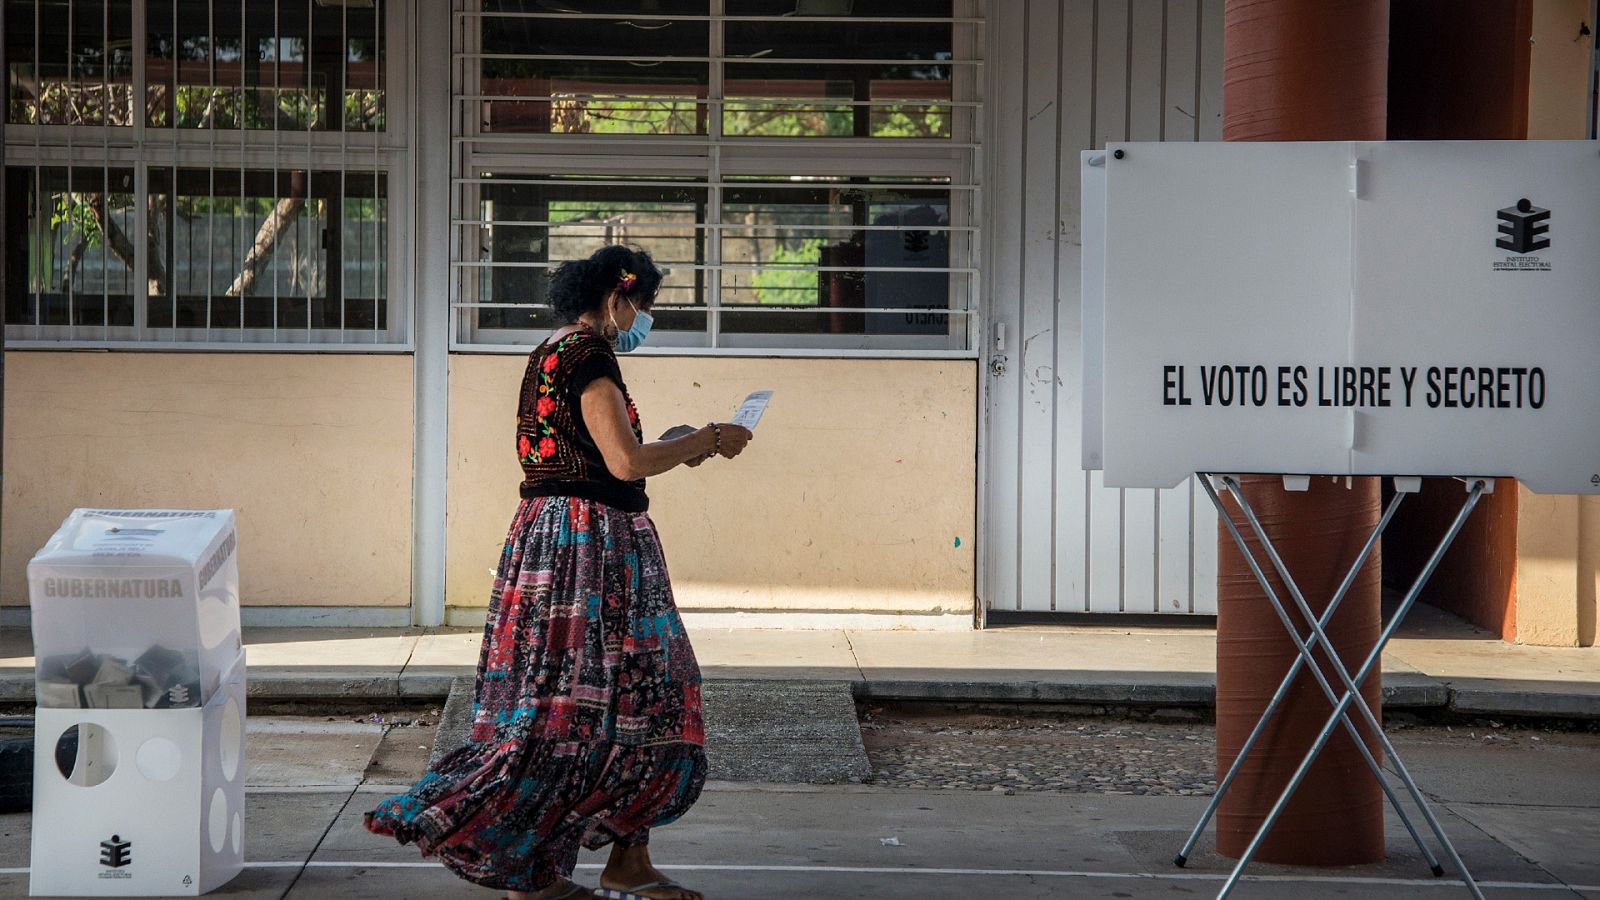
pixel 626 282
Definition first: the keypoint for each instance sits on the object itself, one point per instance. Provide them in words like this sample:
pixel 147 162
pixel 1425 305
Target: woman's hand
pixel 734 439
pixel 605 411
pixel 732 442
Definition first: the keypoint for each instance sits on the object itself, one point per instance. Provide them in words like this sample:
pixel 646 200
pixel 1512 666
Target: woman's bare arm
pixel 606 413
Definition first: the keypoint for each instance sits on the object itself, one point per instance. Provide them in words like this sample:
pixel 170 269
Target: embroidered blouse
pixel 559 458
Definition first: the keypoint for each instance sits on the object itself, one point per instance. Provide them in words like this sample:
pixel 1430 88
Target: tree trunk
pixel 114 236
pixel 157 213
pixel 283 215
pixel 122 248
pixel 74 259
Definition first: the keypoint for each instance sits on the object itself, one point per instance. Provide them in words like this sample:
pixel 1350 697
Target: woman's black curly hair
pixel 581 285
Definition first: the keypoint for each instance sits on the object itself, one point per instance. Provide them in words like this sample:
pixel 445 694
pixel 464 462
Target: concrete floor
pixel 1436 661
pixel 829 842
pixel 1528 828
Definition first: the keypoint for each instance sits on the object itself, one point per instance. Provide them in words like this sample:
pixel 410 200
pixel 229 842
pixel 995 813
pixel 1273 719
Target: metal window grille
pixel 203 174
pixel 806 170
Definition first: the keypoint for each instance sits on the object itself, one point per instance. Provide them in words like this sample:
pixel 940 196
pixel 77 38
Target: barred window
pixel 200 173
pixel 805 169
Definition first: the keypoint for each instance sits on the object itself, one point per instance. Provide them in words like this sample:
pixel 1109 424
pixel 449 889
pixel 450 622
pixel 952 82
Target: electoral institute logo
pixel 1524 230
pixel 116 855
pixel 116 852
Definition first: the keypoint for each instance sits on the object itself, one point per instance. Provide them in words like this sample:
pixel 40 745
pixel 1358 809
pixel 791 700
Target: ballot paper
pixel 748 415
pixel 750 411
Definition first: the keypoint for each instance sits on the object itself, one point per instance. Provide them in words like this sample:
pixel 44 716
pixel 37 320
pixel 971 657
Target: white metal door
pixel 1070 75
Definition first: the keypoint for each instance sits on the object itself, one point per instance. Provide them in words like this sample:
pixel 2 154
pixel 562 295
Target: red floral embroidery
pixel 524 446
pixel 547 403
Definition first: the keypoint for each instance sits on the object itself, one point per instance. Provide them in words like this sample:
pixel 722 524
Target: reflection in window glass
pixel 873 102
pixel 781 255
pixel 904 92
pixel 289 66
pixel 256 249
pixel 72 246
pixel 588 97
pixel 880 9
pixel 527 229
pixel 633 92
pixel 857 259
pixel 605 75
pixel 69 63
pixel 793 37
pixel 641 10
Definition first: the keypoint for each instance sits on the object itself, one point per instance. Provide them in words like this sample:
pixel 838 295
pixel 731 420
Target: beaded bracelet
pixel 716 430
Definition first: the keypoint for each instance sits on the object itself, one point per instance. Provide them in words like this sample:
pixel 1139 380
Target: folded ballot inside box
pixel 135 609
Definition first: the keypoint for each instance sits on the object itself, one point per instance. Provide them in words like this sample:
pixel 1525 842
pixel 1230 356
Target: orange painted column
pixel 1300 71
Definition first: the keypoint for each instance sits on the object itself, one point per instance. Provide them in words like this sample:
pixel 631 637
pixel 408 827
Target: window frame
pixel 711 159
pixel 382 153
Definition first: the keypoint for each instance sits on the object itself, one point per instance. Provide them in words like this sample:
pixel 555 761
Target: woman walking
pixel 586 714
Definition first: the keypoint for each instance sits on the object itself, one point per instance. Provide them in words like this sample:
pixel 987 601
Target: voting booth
pixel 1343 308
pixel 1392 309
pixel 140 683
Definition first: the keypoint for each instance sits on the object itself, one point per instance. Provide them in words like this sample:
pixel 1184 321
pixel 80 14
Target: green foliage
pixel 788 120
pixel 70 211
pixel 652 115
pixel 578 211
pixel 748 118
pixel 786 283
pixel 911 121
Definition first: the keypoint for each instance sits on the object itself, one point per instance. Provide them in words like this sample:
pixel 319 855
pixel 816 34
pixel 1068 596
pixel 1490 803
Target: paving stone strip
pixel 925 747
pixel 792 732
pixel 977 752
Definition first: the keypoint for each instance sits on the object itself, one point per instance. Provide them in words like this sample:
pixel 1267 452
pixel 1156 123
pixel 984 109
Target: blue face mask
pixel 629 341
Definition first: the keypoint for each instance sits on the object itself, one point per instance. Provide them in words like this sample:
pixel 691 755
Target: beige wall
pixel 1589 571
pixel 313 451
pixel 1559 71
pixel 1558 569
pixel 1558 538
pixel 857 494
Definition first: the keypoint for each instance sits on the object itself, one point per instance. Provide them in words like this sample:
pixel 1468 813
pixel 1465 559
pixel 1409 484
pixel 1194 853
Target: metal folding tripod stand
pixel 1351 697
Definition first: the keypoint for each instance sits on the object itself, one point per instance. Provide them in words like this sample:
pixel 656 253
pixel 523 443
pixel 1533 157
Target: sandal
pixel 637 891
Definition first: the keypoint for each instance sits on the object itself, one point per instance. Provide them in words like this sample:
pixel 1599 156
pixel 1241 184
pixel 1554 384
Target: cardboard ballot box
pixel 140 802
pixel 135 609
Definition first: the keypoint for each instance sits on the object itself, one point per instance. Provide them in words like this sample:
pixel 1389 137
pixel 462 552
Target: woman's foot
pixel 565 889
pixel 630 867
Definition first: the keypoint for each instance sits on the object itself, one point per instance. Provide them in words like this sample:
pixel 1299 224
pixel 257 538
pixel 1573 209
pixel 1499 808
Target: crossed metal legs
pixel 1351 685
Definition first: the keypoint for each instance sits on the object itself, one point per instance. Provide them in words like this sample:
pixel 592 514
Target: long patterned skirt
pixel 586 718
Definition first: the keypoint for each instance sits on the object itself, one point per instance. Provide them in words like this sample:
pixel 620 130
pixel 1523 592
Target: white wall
pixel 1068 76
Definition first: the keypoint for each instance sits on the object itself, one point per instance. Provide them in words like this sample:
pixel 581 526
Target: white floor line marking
pixel 912 870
